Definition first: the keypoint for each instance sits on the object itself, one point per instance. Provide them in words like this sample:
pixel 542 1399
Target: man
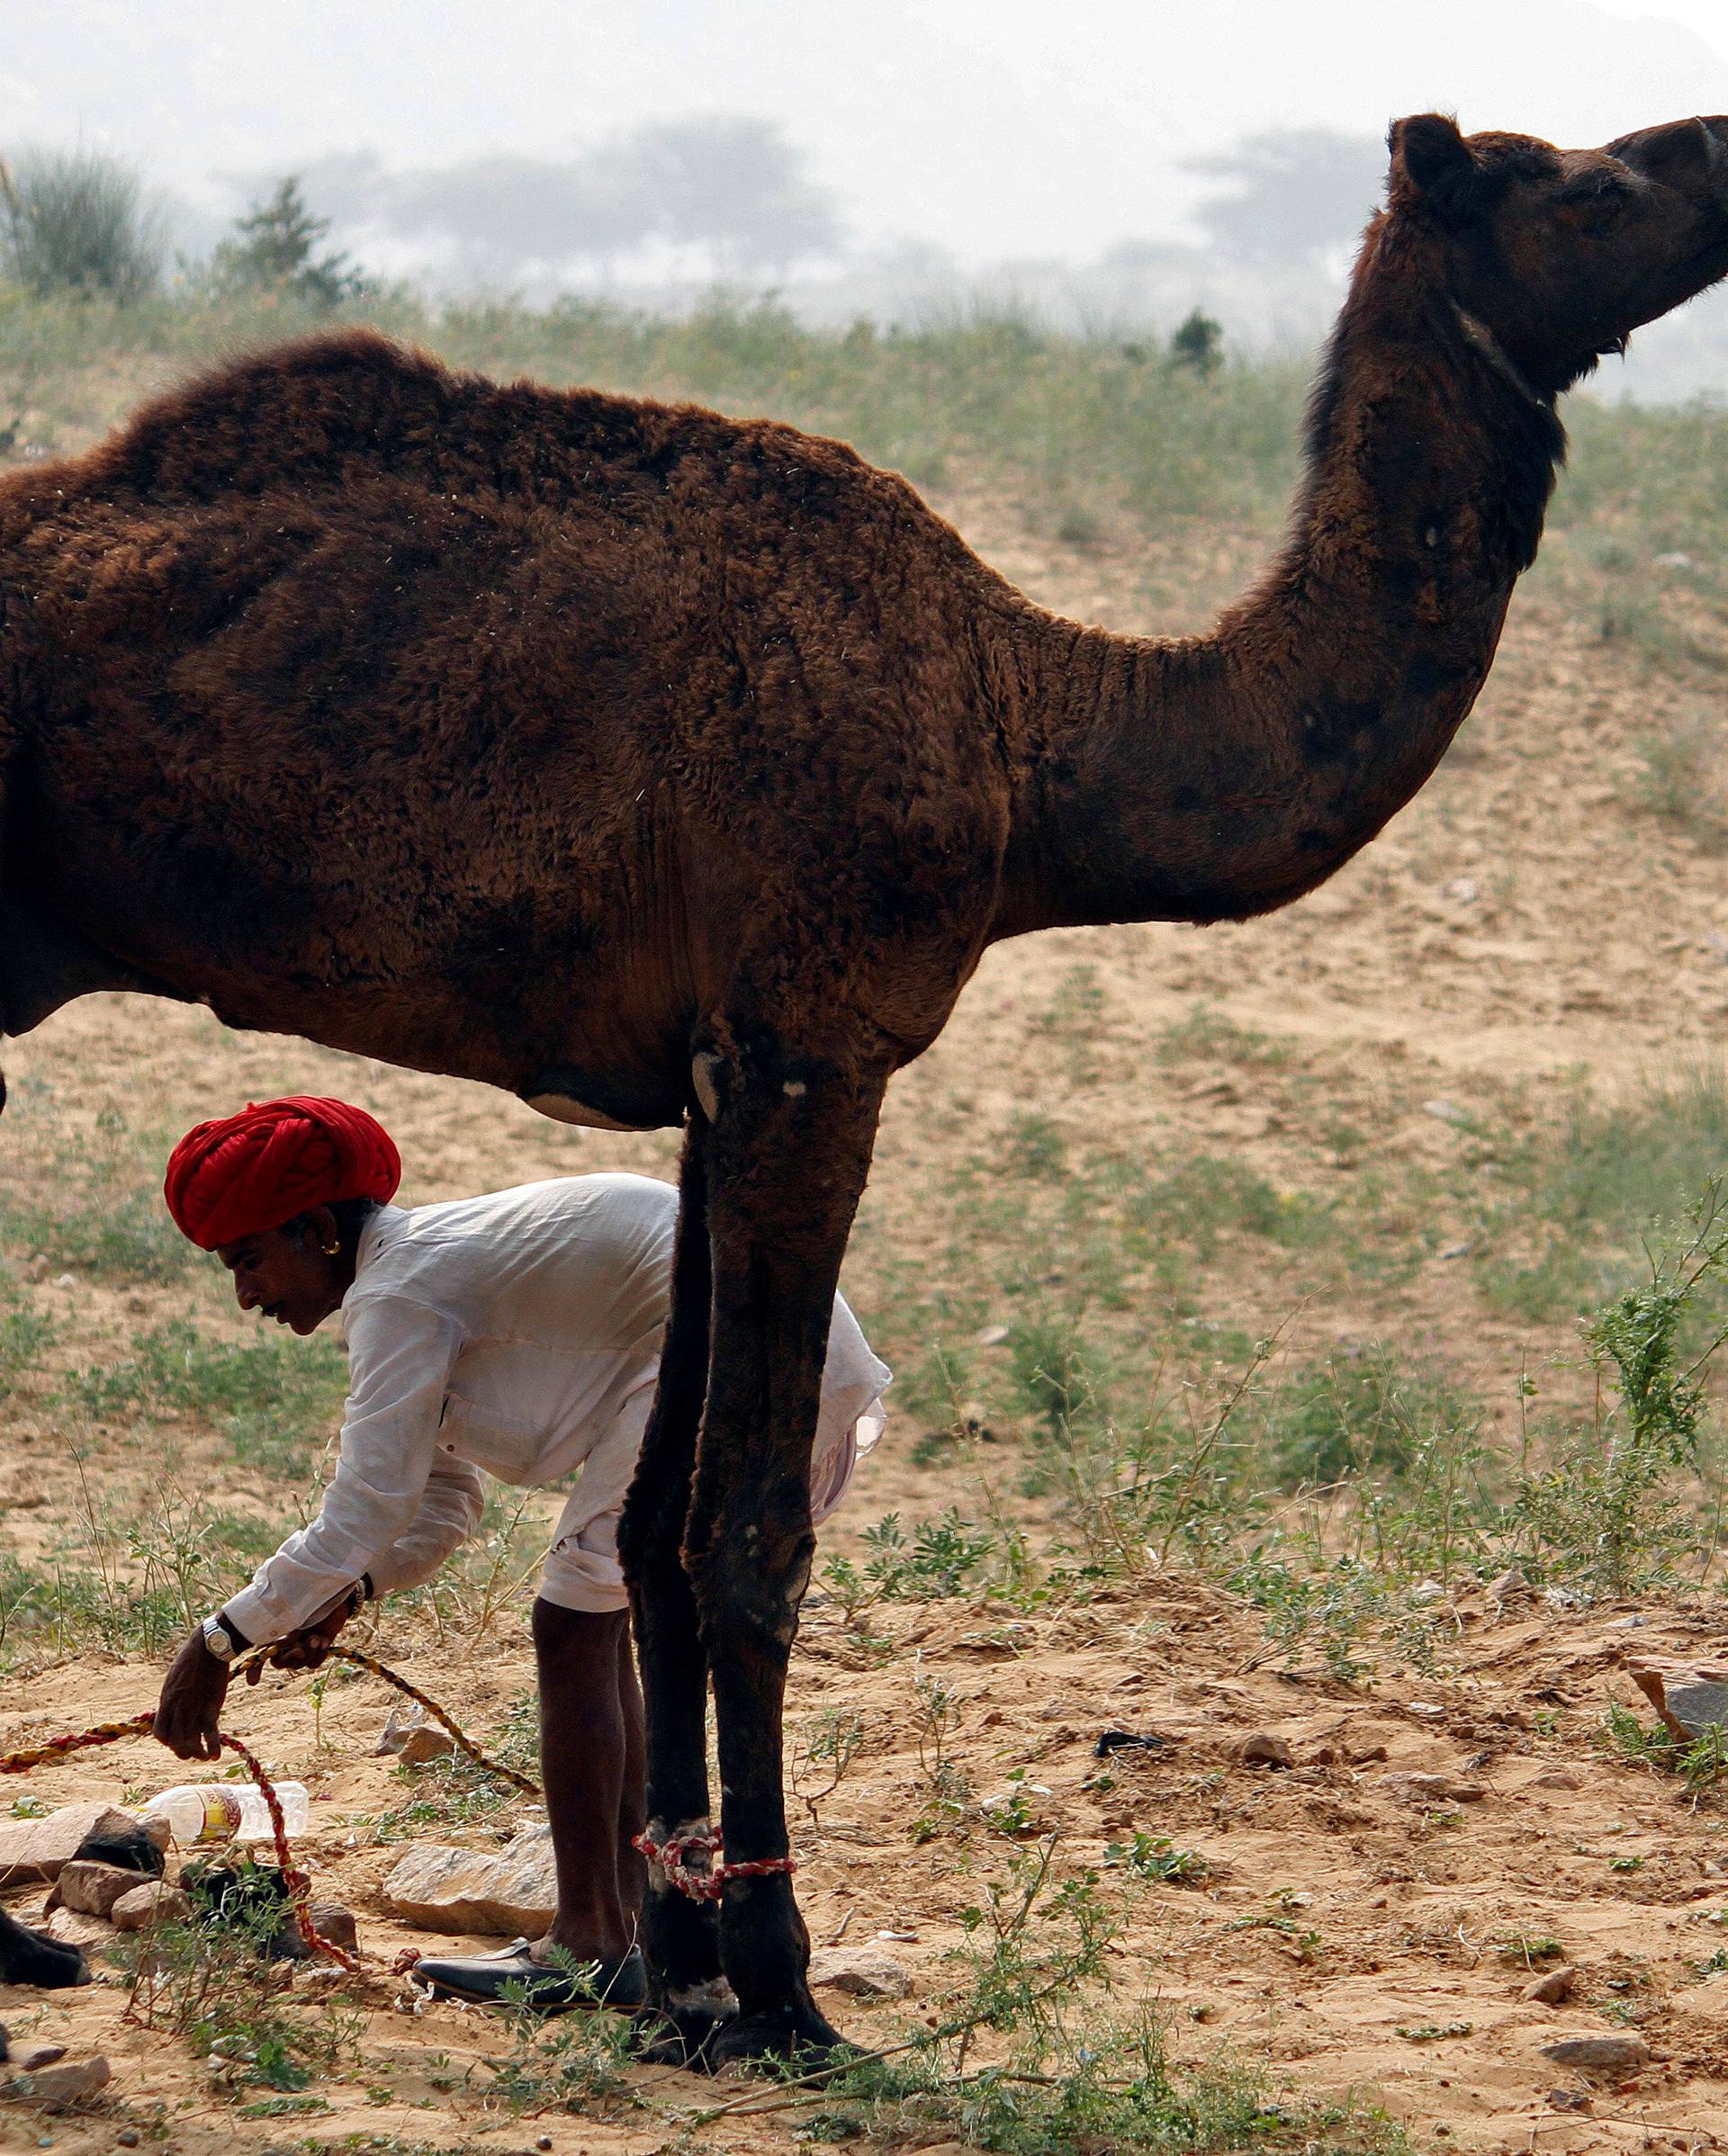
pixel 516 1333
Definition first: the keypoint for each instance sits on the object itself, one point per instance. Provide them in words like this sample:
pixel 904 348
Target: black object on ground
pixel 129 1848
pixel 1126 1740
pixel 31 1957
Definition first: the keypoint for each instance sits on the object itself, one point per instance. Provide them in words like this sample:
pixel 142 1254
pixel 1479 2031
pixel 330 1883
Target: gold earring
pixel 330 1249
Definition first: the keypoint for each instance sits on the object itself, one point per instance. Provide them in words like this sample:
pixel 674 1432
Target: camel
pixel 665 769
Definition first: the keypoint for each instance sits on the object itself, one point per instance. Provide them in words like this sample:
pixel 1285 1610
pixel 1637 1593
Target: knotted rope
pixel 705 1882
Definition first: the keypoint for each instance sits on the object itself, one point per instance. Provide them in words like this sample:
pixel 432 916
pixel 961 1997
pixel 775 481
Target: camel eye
pixel 1597 204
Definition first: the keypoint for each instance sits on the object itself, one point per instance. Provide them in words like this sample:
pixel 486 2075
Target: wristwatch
pixel 219 1639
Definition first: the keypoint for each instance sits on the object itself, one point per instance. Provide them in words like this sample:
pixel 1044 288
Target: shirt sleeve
pixel 450 1511
pixel 400 1357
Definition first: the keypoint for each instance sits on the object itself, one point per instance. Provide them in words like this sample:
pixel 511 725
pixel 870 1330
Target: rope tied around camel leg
pixel 705 1882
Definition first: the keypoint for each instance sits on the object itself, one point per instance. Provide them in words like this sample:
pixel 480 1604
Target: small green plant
pixel 821 1759
pixel 1526 1951
pixel 1605 1517
pixel 1700 1764
pixel 576 2063
pixel 1155 1857
pixel 213 1983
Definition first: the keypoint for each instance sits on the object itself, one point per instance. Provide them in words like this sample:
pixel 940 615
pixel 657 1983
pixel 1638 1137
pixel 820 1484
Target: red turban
pixel 246 1173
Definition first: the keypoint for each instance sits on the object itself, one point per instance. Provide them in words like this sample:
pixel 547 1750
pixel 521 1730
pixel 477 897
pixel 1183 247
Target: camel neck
pixel 1214 778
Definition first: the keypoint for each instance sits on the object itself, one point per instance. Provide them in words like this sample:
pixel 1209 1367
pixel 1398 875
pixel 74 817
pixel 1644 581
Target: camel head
pixel 1562 254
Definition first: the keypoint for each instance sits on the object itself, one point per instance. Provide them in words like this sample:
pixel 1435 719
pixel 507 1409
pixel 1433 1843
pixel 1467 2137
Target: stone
pixel 410 1738
pixel 1263 1749
pixel 420 1746
pixel 93 1889
pixel 331 1921
pixel 34 2055
pixel 1601 2052
pixel 1508 1587
pixel 39 1850
pixel 1690 1698
pixel 72 1927
pixel 155 1902
pixel 1558 1777
pixel 442 1889
pixel 1554 1987
pixel 1430 1789
pixel 862 1972
pixel 58 2088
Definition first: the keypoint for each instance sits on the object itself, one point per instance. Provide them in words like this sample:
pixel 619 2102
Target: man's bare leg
pixel 591 1761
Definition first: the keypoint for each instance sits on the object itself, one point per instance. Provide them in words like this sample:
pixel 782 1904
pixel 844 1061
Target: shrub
pixel 75 223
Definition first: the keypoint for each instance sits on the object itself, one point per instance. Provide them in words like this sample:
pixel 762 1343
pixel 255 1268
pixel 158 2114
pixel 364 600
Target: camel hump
pixel 329 410
pixel 284 414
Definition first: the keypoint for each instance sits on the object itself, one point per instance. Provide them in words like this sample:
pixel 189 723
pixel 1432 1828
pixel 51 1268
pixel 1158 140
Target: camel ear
pixel 1432 163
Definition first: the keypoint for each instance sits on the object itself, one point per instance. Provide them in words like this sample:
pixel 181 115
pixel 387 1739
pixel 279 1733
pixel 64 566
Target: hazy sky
pixel 995 128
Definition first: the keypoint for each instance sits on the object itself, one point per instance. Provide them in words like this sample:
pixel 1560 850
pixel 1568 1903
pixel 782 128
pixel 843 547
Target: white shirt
pixel 518 1332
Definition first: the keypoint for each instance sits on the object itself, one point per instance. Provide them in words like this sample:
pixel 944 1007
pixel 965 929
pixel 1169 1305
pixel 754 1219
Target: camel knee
pixel 749 1582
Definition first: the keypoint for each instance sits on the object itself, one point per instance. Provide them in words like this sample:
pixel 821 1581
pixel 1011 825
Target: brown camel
pixel 663 767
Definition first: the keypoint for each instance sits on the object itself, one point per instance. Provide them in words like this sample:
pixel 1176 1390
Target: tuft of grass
pixel 1356 1414
pixel 1683 781
pixel 1557 1236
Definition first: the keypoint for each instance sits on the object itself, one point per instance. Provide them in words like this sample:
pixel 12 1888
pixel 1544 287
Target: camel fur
pixel 662 767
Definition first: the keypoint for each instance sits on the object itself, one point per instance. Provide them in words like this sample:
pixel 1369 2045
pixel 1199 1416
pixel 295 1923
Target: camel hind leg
pixel 789 1155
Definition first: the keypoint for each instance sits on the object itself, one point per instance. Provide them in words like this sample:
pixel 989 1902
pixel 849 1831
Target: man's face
pixel 287 1274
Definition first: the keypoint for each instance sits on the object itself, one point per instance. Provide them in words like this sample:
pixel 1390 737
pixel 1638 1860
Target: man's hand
pixel 310 1646
pixel 191 1705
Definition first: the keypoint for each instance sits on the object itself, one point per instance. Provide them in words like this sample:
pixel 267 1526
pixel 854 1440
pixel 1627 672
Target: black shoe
pixel 483 1979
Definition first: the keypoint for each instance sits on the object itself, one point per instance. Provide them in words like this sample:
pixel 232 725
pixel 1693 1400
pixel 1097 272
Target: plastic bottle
pixel 222 1812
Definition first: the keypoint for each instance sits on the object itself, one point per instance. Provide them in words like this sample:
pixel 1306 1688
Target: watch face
pixel 217 1641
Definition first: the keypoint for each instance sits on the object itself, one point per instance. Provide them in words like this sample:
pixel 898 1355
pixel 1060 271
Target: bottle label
pixel 221 1815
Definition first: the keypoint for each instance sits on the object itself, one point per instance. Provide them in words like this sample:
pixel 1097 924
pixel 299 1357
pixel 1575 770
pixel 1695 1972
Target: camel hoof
pixel 796 2034
pixel 679 2030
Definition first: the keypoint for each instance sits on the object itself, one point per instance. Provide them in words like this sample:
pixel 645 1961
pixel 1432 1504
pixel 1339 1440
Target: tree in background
pixel 76 224
pixel 1293 196
pixel 1198 344
pixel 735 188
pixel 273 249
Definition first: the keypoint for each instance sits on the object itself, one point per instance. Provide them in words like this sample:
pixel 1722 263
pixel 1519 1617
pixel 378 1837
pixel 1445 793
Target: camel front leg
pixel 680 1937
pixel 788 1167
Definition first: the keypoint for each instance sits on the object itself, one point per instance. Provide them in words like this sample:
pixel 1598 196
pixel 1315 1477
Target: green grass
pixel 1562 1222
pixel 272 1397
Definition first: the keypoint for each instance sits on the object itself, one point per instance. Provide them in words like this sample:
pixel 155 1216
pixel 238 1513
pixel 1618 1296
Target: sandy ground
pixel 1522 928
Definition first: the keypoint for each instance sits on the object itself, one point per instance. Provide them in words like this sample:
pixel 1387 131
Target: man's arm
pixel 400 1353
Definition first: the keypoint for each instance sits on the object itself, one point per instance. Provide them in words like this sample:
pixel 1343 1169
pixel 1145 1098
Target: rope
pixel 56 1747
pixel 298 1884
pixel 463 1743
pixel 706 1881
